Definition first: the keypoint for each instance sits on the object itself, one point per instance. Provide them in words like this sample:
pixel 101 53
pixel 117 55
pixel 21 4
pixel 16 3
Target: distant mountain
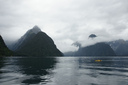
pixel 70 53
pixel 120 47
pixel 4 51
pixel 99 49
pixel 36 43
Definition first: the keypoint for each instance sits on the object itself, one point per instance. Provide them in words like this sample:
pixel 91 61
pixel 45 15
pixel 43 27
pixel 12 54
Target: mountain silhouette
pixel 27 36
pixel 120 47
pixel 99 49
pixel 4 51
pixel 36 43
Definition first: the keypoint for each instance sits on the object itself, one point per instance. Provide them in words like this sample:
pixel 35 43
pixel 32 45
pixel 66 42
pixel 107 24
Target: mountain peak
pixel 36 29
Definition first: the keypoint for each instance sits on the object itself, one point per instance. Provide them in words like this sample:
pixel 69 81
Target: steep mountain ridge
pixel 37 43
pixel 28 35
pixel 4 51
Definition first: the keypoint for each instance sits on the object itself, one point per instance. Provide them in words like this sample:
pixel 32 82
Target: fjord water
pixel 64 71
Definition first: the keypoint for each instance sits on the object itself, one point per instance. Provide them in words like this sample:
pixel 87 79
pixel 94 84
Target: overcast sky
pixel 65 21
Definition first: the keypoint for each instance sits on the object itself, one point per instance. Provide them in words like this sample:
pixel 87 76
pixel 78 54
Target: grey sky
pixel 65 21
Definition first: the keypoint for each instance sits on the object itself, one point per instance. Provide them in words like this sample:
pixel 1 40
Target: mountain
pixel 36 43
pixel 120 47
pixel 27 36
pixel 99 49
pixel 4 51
pixel 70 53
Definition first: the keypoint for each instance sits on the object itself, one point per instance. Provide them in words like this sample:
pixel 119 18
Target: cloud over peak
pixel 66 21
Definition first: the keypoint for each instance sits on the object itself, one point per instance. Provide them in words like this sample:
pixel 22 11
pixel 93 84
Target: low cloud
pixel 66 21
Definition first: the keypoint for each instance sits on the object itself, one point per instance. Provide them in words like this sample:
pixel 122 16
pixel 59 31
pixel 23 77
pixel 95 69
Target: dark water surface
pixel 64 71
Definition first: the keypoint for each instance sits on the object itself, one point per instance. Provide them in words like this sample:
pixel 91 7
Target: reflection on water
pixel 64 71
pixel 1 64
pixel 110 71
pixel 26 70
pixel 36 67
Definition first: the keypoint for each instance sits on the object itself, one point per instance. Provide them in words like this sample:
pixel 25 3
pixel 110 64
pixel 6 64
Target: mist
pixel 65 21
